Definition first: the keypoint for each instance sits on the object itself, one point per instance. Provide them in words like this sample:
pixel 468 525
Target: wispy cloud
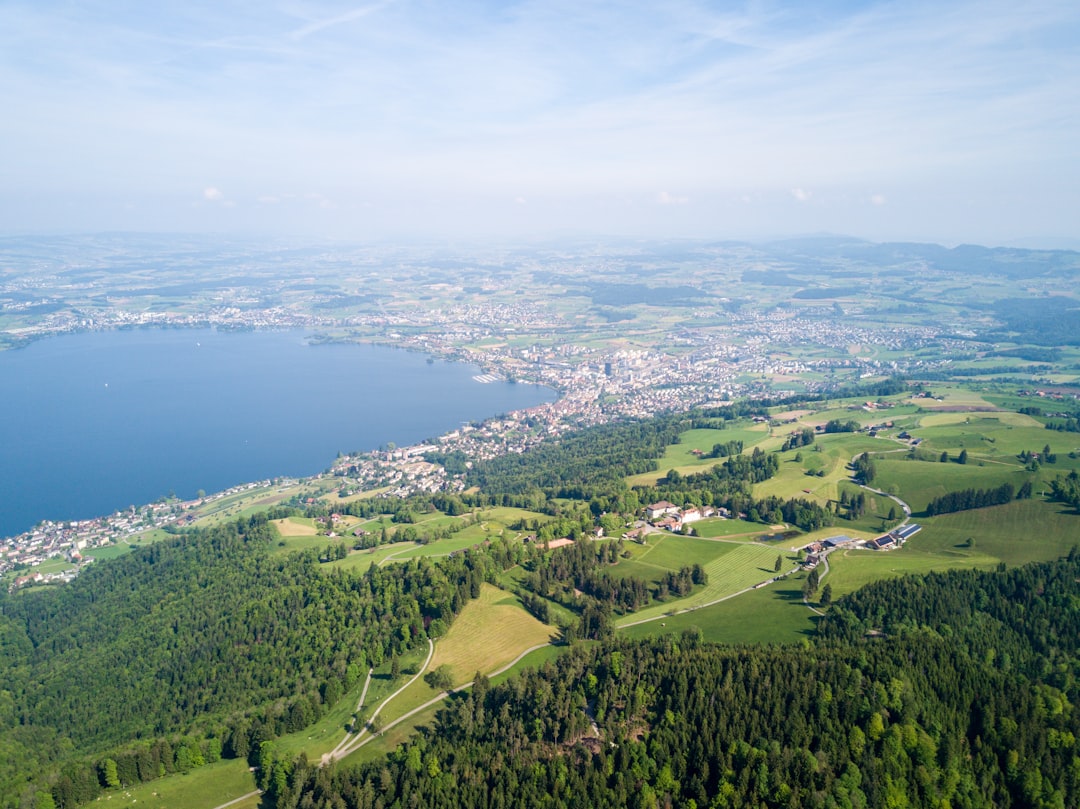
pixel 329 22
pixel 583 103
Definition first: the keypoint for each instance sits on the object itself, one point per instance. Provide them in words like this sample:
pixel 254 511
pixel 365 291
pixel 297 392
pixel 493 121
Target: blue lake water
pixel 92 423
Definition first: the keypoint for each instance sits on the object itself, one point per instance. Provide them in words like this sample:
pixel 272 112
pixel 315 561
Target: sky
pixel 924 121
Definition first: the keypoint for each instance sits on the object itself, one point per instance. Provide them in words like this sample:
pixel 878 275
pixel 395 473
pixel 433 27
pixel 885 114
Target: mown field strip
pixel 744 566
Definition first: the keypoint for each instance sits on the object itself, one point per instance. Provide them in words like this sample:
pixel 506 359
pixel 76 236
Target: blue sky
pixel 943 121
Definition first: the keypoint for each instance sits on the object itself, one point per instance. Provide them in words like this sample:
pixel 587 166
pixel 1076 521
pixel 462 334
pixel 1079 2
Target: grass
pixel 148 537
pixel 389 740
pixel 1000 533
pixel 57 564
pixel 324 735
pixel 473 535
pixel 108 551
pixel 680 456
pixel 850 570
pixel 295 527
pixel 1006 532
pixel 773 614
pixel 830 454
pixel 488 633
pixel 719 527
pixel 744 565
pixel 918 482
pixel 360 561
pixel 202 788
pixel 672 552
pixel 952 397
pixel 987 437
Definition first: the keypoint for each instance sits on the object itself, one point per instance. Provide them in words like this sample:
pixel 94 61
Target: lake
pixel 92 423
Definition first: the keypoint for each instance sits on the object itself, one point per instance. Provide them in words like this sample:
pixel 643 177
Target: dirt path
pixel 349 743
pixel 358 742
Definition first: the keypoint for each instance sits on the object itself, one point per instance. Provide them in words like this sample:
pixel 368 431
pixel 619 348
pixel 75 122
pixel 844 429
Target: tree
pixel 962 457
pixel 108 773
pixel 779 563
pixel 826 595
pixel 440 678
pixel 944 457
pixel 395 668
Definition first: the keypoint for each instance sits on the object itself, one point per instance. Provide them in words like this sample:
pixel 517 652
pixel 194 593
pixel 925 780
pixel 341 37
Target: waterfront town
pixel 679 357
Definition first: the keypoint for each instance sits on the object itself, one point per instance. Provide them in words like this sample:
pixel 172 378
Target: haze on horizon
pixel 952 122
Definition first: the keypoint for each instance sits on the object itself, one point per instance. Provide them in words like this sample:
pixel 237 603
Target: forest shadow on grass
pixel 793 598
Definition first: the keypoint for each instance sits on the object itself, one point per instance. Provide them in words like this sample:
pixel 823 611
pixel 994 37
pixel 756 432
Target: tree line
pixel 945 713
pixel 209 636
pixel 965 499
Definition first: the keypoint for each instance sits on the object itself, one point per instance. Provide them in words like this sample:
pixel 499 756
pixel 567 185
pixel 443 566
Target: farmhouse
pixel 894 539
pixel 836 542
pixel 908 531
pixel 691 515
pixel 660 509
pixel 885 542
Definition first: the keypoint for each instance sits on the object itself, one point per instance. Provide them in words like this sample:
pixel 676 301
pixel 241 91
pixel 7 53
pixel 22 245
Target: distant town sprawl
pixel 621 332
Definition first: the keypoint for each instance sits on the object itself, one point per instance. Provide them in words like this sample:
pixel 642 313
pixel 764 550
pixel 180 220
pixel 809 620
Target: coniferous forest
pixel 964 699
pixel 946 690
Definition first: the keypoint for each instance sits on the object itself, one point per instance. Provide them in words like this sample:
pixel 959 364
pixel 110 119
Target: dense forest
pixel 158 643
pixel 949 690
pixel 970 704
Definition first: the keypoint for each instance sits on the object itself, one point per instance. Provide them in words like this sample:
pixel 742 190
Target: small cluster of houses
pixel 46 578
pixel 894 539
pixel 886 542
pixel 670 517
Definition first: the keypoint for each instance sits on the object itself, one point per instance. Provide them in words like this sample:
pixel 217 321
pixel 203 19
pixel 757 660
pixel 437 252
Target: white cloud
pixel 664 198
pixel 482 104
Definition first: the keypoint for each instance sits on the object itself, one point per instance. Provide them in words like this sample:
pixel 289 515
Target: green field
pixel 735 567
pixel 830 454
pixel 360 561
pixel 719 527
pixel 773 614
pixel 489 633
pixel 57 564
pixel 202 788
pixel 108 551
pixel 1019 532
pixel 918 482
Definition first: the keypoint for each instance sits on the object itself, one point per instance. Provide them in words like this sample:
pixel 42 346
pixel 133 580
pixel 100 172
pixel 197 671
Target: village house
pixel 660 509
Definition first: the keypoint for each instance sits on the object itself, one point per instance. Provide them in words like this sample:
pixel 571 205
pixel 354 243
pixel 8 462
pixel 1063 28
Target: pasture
pixel 1016 533
pixel 730 566
pixel 108 551
pixel 489 632
pixel 773 614
pixel 202 788
pixel 741 530
pixel 918 482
